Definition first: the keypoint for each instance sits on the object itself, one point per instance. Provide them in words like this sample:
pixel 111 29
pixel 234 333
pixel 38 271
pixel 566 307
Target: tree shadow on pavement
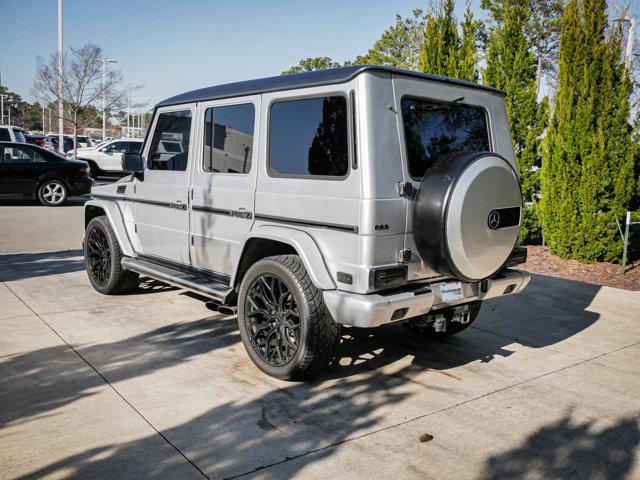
pixel 570 449
pixel 16 266
pixel 36 382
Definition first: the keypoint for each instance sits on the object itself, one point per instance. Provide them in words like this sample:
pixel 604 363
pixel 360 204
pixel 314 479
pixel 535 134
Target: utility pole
pixel 2 109
pixel 43 125
pixel 128 114
pixel 60 83
pixel 630 38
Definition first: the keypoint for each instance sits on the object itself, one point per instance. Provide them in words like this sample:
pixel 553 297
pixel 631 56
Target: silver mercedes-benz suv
pixel 355 196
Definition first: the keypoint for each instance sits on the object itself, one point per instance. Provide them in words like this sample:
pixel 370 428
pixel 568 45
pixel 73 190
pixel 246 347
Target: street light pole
pixel 60 83
pixel 43 125
pixel 104 95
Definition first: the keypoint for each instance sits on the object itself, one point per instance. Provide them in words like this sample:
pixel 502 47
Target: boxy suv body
pixel 357 196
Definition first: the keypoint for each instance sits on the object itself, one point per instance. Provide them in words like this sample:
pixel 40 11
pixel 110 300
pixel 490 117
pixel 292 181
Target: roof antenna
pixel 459 99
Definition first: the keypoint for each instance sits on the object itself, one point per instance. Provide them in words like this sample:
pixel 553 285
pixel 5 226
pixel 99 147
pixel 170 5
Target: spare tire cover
pixel 466 215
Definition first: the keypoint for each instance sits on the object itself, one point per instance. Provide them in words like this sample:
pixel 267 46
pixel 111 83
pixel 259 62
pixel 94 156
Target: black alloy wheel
pixel 272 319
pixel 99 256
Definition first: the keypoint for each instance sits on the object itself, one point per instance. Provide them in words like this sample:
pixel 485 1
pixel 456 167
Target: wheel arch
pixel 271 240
pixel 95 208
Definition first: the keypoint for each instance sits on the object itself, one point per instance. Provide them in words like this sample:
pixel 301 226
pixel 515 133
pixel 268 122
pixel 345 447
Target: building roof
pixel 302 80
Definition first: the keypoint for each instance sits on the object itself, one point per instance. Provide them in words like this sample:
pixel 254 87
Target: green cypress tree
pixel 511 66
pixel 468 51
pixel 448 50
pixel 587 174
pixel 438 54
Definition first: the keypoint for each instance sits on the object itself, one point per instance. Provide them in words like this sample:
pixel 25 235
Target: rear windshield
pixel 19 136
pixel 434 130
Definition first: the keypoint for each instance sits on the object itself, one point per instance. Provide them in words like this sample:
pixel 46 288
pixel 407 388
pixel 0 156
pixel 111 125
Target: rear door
pixel 161 195
pixel 224 181
pixel 436 119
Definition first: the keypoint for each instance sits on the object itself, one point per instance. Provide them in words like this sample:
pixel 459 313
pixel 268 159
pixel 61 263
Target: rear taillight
pixel 84 170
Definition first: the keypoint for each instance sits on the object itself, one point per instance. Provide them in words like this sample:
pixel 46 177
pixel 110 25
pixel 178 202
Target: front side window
pixel 434 130
pixel 169 149
pixel 309 137
pixel 228 138
pixel 116 147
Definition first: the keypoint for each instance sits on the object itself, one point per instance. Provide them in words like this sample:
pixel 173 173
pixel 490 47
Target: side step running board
pixel 195 281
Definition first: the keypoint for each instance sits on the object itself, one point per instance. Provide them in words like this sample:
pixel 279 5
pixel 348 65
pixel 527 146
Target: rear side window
pixel 19 136
pixel 21 155
pixel 4 135
pixel 434 130
pixel 309 137
pixel 228 138
pixel 169 148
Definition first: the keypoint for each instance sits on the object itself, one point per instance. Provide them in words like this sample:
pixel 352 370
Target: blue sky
pixel 179 45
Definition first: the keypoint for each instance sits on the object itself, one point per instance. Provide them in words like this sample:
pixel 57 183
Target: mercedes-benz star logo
pixel 494 219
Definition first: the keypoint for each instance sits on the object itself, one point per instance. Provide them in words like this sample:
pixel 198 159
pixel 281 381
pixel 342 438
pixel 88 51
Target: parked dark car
pixel 35 139
pixel 68 143
pixel 29 170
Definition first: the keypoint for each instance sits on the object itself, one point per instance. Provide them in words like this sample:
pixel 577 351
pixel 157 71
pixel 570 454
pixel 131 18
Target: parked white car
pixel 10 133
pixel 106 158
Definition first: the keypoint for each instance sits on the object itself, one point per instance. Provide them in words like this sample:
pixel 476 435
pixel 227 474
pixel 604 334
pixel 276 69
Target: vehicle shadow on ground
pixel 547 312
pixel 32 202
pixel 249 435
pixel 568 448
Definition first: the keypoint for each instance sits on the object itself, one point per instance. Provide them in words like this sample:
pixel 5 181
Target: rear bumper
pixel 373 310
pixel 81 186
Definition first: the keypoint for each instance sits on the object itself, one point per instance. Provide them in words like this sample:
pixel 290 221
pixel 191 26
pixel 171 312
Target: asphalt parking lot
pixel 154 385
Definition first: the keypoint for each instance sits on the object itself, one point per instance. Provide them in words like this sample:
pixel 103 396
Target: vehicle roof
pixel 12 126
pixel 305 79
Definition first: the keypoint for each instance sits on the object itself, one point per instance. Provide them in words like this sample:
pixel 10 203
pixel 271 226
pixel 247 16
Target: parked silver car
pixel 355 196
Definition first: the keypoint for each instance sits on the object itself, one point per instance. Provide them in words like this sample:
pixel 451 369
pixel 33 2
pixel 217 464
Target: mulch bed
pixel 541 261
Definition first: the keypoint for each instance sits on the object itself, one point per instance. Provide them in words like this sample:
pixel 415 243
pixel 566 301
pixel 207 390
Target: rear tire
pixel 53 193
pixel 424 325
pixel 102 257
pixel 283 321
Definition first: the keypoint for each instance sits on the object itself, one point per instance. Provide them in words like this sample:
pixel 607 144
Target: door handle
pixel 241 213
pixel 178 205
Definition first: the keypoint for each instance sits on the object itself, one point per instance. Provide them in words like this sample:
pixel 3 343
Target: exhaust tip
pixel 226 310
pixel 211 305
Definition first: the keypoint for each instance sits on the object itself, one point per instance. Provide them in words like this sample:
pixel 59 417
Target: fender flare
pixel 303 244
pixel 114 215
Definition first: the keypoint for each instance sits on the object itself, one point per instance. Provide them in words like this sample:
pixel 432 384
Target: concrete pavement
pixel 153 385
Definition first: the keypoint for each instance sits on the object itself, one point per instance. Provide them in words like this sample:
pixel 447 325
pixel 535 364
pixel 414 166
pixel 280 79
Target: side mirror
pixel 132 162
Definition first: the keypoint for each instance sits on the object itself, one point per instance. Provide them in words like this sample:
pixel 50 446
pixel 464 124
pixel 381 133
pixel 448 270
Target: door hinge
pixel 404 255
pixel 405 189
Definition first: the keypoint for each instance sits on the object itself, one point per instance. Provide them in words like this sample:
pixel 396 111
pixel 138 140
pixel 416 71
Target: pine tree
pixel 587 174
pixel 438 54
pixel 468 51
pixel 511 67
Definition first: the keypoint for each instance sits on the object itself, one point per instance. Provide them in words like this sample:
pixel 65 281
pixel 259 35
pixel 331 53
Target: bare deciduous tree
pixel 82 85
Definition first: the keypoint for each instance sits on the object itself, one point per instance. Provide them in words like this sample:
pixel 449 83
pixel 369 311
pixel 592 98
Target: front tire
pixel 53 193
pixel 284 324
pixel 102 257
